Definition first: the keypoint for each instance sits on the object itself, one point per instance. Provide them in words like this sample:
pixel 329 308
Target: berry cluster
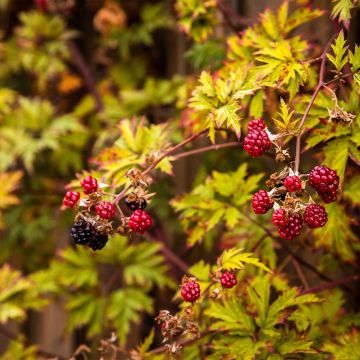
pixel 84 233
pixel 257 140
pixel 190 290
pixel 93 214
pixel 287 197
pixel 228 279
pixel 89 229
pixel 325 181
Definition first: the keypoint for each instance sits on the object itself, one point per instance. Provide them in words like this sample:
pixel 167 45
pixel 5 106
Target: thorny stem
pixel 311 103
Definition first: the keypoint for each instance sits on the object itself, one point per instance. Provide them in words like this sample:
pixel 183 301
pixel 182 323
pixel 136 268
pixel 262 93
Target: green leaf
pixel 340 57
pixel 352 190
pixel 336 155
pixel 344 347
pixel 337 236
pixel 342 9
pixel 235 259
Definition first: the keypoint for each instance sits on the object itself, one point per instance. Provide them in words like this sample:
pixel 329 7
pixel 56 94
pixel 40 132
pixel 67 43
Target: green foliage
pixel 197 18
pixel 91 299
pixel 235 259
pixel 121 118
pixel 257 317
pixel 339 59
pixel 214 201
pixel 17 295
pixel 346 346
pixel 216 101
pixel 342 9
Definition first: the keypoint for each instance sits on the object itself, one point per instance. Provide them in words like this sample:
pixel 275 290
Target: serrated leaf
pixel 340 57
pixel 235 259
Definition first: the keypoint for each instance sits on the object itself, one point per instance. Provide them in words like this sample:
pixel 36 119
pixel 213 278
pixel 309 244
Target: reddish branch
pixel 311 102
pixel 205 148
pixel 333 284
pixel 86 74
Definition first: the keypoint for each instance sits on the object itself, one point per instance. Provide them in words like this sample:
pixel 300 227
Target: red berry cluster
pixel 289 190
pixel 90 229
pixel 325 181
pixel 292 183
pixel 190 290
pixel 257 140
pixel 140 221
pixel 228 279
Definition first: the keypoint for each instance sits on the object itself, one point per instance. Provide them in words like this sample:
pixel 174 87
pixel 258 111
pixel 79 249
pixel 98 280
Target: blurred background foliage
pixel 70 73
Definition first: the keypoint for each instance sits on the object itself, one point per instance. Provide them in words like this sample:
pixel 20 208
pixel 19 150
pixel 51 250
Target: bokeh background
pixel 69 71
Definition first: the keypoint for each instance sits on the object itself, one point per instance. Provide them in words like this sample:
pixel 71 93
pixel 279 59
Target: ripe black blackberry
pixel 133 202
pixel 82 232
pixel 98 240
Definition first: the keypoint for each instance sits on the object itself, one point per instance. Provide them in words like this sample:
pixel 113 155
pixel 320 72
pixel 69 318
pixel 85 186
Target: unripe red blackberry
pixel 315 216
pixel 292 183
pixel 228 279
pixel 133 202
pixel 71 198
pixel 82 232
pixel 190 291
pixel 261 203
pixel 257 124
pixel 278 217
pixel 139 221
pixel 328 197
pixel 105 210
pixel 292 228
pixel 256 143
pixel 325 181
pixel 89 184
pixel 98 240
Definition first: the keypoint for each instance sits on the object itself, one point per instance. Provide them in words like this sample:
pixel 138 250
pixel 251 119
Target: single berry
pixel 325 181
pixel 278 217
pixel 292 183
pixel 190 291
pixel 292 228
pixel 228 279
pixel 256 143
pixel 258 124
pixel 139 221
pixel 82 232
pixel 89 184
pixel 98 240
pixel 105 210
pixel 133 202
pixel 71 198
pixel 315 216
pixel 261 203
